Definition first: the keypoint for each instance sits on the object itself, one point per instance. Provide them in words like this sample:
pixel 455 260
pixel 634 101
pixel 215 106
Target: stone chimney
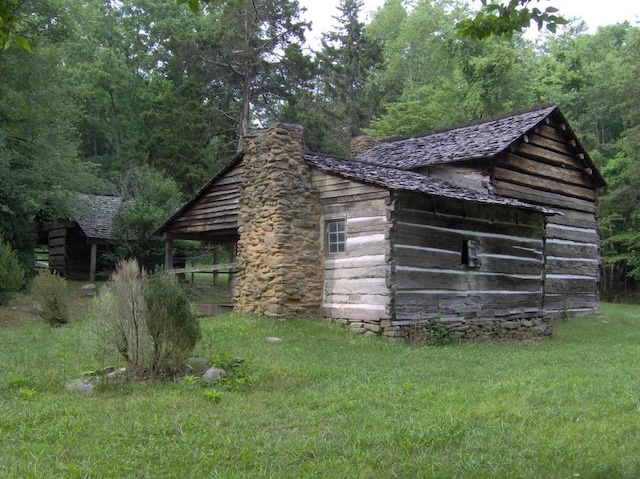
pixel 280 270
pixel 360 144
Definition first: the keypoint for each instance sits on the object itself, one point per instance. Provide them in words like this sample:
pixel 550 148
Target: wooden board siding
pixel 428 275
pixel 545 168
pixel 472 175
pixel 69 252
pixel 335 189
pixel 355 282
pixel 57 238
pixel 216 210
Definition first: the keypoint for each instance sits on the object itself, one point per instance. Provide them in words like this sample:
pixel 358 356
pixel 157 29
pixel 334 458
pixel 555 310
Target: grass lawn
pixel 325 402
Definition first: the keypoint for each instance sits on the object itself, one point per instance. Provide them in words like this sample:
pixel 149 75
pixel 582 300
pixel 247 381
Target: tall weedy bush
pixel 146 319
pixel 120 314
pixel 11 272
pixel 50 292
pixel 170 321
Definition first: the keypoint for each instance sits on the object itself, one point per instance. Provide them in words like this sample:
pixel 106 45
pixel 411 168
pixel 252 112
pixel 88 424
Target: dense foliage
pixel 112 88
pixel 11 272
pixel 49 290
pixel 147 320
pixel 148 199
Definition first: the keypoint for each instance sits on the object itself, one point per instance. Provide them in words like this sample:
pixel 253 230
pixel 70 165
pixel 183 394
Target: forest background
pixel 146 100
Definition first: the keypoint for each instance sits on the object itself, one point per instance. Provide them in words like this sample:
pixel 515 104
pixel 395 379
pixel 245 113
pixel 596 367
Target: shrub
pixel 11 273
pixel 119 311
pixel 147 319
pixel 50 292
pixel 170 321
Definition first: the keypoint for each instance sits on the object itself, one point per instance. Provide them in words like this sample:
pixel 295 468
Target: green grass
pixel 328 403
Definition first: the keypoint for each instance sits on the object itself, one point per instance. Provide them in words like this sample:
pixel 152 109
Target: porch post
pixel 94 258
pixel 168 253
pixel 216 260
pixel 231 282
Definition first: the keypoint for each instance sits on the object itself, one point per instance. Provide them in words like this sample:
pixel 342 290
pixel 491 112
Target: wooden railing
pixel 207 268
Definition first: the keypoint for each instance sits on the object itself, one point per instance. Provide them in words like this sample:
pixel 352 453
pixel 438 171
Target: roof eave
pixel 164 226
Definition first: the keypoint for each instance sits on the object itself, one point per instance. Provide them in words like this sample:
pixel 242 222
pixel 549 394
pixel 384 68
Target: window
pixel 469 253
pixel 336 237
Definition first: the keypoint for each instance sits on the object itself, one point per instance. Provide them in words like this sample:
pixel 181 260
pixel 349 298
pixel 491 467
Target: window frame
pixel 469 254
pixel 332 238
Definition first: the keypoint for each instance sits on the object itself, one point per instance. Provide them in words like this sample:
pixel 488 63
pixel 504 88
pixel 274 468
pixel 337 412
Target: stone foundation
pixel 279 257
pixel 470 330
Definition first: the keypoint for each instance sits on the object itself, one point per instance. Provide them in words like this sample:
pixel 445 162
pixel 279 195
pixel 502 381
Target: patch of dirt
pixel 19 310
pixel 23 308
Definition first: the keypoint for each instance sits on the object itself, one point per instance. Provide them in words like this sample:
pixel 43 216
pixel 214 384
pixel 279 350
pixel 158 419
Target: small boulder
pixel 273 339
pixel 80 386
pixel 88 290
pixel 197 365
pixel 119 373
pixel 213 374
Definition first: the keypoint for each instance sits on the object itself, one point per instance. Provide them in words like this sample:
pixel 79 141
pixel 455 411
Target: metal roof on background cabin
pixel 95 214
pixel 402 180
pixel 478 140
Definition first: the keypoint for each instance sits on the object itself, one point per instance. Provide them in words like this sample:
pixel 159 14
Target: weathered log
pixel 543 198
pixel 538 153
pixel 538 168
pixel 544 184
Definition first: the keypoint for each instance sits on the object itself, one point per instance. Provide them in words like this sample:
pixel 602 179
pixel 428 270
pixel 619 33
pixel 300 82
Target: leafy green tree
pixel 427 69
pixel 619 138
pixel 39 164
pixel 11 272
pixel 251 53
pixel 149 198
pixel 504 19
pixel 9 13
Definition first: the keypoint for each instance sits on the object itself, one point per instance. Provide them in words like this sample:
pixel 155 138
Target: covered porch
pixel 210 269
pixel 210 217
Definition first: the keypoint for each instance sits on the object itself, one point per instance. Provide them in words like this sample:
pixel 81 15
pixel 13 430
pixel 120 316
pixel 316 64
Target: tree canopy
pixel 146 89
pixel 504 19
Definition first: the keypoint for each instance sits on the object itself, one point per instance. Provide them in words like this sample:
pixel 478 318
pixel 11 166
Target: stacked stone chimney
pixel 280 249
pixel 360 144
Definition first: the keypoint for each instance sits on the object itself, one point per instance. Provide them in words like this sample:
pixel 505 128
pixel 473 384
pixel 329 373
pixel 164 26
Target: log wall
pixel 501 296
pixel 546 169
pixel 356 292
pixel 69 252
pixel 215 211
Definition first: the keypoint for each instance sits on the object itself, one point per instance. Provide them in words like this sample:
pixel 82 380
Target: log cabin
pixel 488 229
pixel 76 245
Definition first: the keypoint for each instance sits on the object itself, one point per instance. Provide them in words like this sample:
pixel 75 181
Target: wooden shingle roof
pixel 482 139
pixel 402 180
pixel 95 214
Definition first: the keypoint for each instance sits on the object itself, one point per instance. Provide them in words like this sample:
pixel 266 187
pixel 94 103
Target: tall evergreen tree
pixel 345 62
pixel 251 51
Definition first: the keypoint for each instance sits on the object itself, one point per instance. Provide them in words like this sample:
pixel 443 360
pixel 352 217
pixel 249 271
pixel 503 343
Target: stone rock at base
pixel 236 361
pixel 80 386
pixel 543 329
pixel 119 373
pixel 273 339
pixel 88 290
pixel 213 374
pixel 197 365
